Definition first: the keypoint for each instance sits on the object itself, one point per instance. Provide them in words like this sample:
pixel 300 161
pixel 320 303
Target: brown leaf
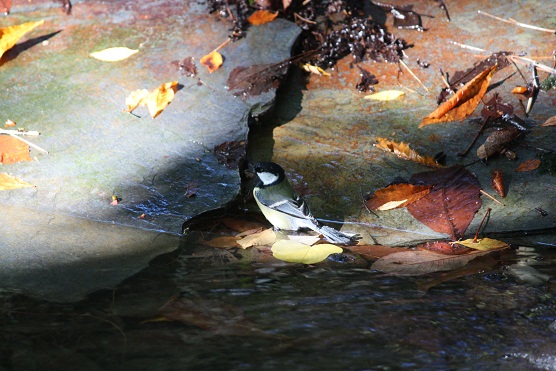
pixel 520 90
pixel 497 141
pixel 266 237
pixel 550 122
pixel 528 165
pixel 498 183
pixel 212 61
pixel 260 17
pixel 224 242
pixel 230 153
pixel 464 102
pixel 444 247
pixel 403 150
pixel 13 150
pixel 396 196
pixel 9 36
pixel 373 252
pixel 241 225
pixel 452 202
pixel 415 263
pixel 8 182
pixel 495 108
pixel 5 6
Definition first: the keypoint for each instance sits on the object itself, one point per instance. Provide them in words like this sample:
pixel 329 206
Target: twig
pixel 463 46
pixel 528 61
pixel 475 239
pixel 222 45
pixel 412 74
pixel 19 132
pixel 445 8
pixel 514 22
pixel 463 154
pixel 445 81
pixel 297 16
pixel 495 200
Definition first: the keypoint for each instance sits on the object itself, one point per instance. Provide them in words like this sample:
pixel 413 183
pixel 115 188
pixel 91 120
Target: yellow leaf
pixel 212 61
pixel 385 95
pixel 260 17
pixel 8 182
pixel 265 237
pixel 134 99
pixel 296 252
pixel 114 54
pixel 155 100
pixel 483 244
pixel 9 36
pixel 403 150
pixel 315 69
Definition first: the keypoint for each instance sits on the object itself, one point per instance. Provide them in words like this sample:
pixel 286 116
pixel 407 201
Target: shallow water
pixel 236 310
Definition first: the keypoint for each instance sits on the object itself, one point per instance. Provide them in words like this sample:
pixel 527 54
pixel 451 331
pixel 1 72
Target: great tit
pixel 284 208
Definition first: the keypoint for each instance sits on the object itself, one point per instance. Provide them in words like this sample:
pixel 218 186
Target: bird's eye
pixel 258 169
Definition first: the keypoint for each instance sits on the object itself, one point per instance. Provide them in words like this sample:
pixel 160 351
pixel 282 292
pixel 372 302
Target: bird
pixel 284 208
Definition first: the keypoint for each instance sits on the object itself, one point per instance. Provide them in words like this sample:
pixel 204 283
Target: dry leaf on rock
pixel 385 95
pixel 260 17
pixel 498 183
pixel 452 202
pixel 266 237
pixel 9 36
pixel 415 263
pixel 114 54
pixel 403 150
pixel 212 61
pixel 296 252
pixel 315 69
pixel 396 196
pixel 8 182
pixel 464 102
pixel 155 100
pixel 550 122
pixel 483 244
pixel 528 165
pixel 135 98
pixel 497 141
pixel 13 150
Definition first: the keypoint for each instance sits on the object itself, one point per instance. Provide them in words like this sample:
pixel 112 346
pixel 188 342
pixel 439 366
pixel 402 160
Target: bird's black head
pixel 270 173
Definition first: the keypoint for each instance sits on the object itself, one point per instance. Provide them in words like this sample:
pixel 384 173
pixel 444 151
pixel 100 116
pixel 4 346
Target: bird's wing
pixel 293 205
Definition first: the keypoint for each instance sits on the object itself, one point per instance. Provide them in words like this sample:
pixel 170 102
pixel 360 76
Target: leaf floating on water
pixel 452 202
pixel 9 36
pixel 212 61
pixel 403 150
pixel 266 237
pixel 296 252
pixel 260 17
pixel 415 263
pixel 464 102
pixel 385 95
pixel 114 54
pixel 444 247
pixel 528 165
pixel 13 150
pixel 8 182
pixel 396 196
pixel 483 244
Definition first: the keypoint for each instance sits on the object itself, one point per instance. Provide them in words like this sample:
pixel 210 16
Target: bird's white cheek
pixel 267 178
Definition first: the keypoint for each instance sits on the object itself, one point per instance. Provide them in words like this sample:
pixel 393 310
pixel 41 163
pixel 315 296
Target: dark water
pixel 243 310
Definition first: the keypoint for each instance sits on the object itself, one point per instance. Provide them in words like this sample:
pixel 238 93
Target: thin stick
pixel 495 200
pixel 297 16
pixel 463 46
pixel 222 45
pixel 29 143
pixel 514 22
pixel 412 74
pixel 463 154
pixel 445 81
pixel 17 132
pixel 527 61
pixel 480 225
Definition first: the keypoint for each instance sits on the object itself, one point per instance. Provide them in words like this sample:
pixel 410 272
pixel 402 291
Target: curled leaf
pixel 155 100
pixel 296 252
pixel 403 150
pixel 114 54
pixel 498 183
pixel 8 182
pixel 464 102
pixel 212 61
pixel 9 36
pixel 260 17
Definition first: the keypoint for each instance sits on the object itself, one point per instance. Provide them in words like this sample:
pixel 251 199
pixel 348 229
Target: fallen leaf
pixel 186 66
pixel 13 150
pixel 307 240
pixel 296 252
pixel 452 202
pixel 498 183
pixel 464 102
pixel 212 61
pixel 403 150
pixel 9 123
pixel 114 54
pixel 495 108
pixel 5 6
pixel 397 195
pixel 367 81
pixel 260 17
pixel 483 244
pixel 266 237
pixel 8 182
pixel 155 100
pixel 550 122
pixel 315 70
pixel 373 252
pixel 241 225
pixel 9 36
pixel 520 90
pixel 230 153
pixel 415 263
pixel 224 242
pixel 528 165
pixel 385 95
pixel 497 141
pixel 444 247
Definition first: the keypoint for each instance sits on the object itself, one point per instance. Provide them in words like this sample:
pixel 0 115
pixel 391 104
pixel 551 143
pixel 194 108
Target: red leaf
pixel 452 203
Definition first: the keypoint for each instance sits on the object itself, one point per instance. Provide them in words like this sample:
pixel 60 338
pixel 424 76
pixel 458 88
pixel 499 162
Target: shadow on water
pixel 203 308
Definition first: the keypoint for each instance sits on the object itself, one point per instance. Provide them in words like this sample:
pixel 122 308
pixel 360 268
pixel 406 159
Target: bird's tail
pixel 335 236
